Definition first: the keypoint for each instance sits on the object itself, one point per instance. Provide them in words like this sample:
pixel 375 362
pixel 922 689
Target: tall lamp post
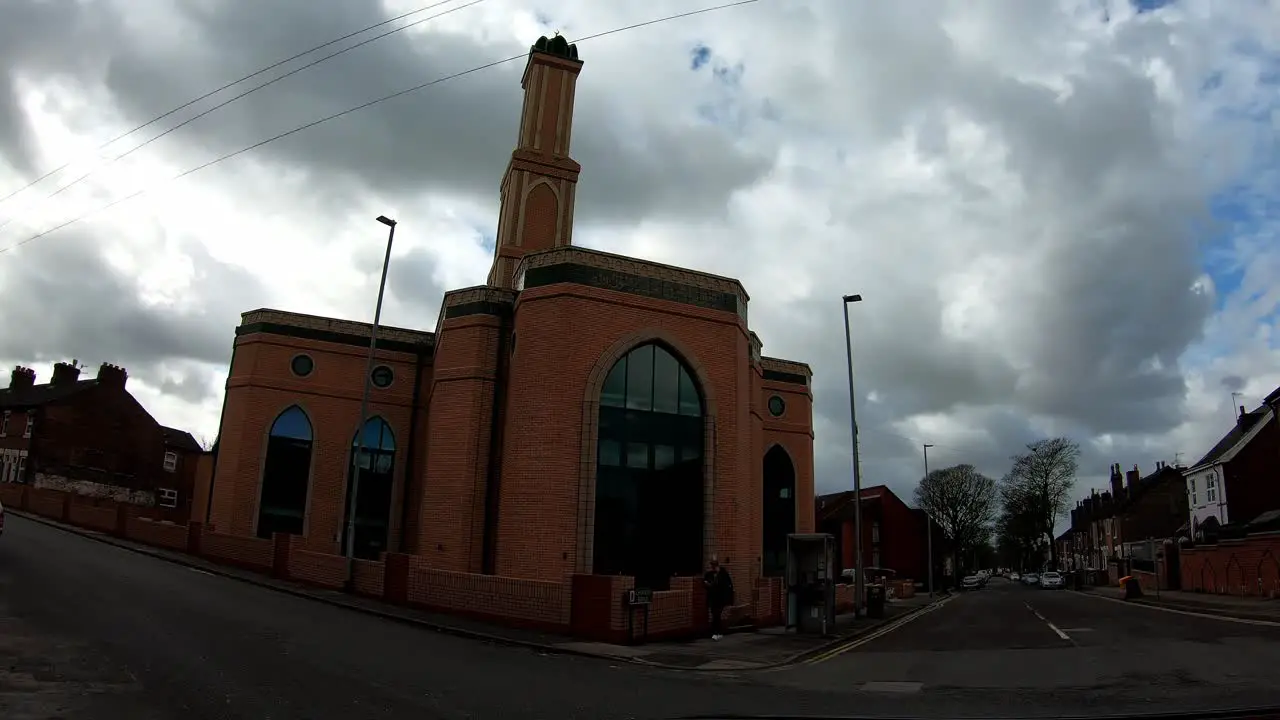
pixel 928 523
pixel 350 543
pixel 858 599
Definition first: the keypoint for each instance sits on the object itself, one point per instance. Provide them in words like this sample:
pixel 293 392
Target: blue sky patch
pixel 701 55
pixel 1149 5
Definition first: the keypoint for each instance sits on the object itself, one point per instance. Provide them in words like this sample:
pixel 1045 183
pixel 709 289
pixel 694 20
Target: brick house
pixel 581 424
pixel 1236 480
pixel 893 534
pixel 91 437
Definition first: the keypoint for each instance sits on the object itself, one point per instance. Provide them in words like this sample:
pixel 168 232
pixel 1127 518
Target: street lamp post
pixel 928 523
pixel 350 543
pixel 858 598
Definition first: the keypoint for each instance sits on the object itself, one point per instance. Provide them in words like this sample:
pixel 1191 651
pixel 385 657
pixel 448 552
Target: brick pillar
pixel 395 578
pixel 195 532
pixel 122 520
pixel 283 549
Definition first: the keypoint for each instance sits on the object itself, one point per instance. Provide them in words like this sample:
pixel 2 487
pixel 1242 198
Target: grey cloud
pixel 452 137
pixel 63 301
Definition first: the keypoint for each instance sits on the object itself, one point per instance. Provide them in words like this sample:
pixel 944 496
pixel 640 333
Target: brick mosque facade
pixel 580 425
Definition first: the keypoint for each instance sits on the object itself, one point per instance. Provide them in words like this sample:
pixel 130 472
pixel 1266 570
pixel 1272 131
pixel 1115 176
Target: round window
pixel 777 406
pixel 302 365
pixel 382 376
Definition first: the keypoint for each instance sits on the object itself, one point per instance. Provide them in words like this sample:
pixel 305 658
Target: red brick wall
pixel 451 517
pixel 1252 478
pixel 1249 567
pixel 794 432
pixel 575 335
pixel 261 386
pixel 97 518
pixel 316 568
pixel 248 552
pixel 543 602
pixel 159 534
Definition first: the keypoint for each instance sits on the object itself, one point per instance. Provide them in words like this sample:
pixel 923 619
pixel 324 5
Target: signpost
pixel 637 599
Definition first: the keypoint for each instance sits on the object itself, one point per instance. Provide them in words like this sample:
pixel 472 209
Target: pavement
pixel 91 630
pixel 1247 608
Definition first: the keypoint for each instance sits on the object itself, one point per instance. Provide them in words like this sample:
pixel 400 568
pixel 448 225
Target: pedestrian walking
pixel 719 596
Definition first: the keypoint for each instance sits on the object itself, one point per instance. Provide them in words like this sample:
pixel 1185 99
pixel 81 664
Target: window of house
pixel 4 424
pixel 22 469
pixel 168 497
pixel 170 461
pixel 31 423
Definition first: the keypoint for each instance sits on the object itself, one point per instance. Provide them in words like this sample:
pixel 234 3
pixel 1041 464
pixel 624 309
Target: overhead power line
pixel 215 91
pixel 234 98
pixel 354 109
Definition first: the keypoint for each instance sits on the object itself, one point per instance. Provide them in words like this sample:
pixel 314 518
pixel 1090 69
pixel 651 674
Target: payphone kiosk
pixel 811 583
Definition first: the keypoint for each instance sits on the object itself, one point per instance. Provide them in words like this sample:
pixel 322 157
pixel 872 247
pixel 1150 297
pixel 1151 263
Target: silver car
pixel 1052 581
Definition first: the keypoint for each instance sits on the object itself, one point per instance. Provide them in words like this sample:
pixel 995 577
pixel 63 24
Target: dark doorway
pixel 286 473
pixel 649 481
pixel 778 509
pixel 373 506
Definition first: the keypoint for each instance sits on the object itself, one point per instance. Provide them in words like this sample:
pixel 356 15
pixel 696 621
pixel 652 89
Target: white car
pixel 971 582
pixel 1015 577
pixel 1052 581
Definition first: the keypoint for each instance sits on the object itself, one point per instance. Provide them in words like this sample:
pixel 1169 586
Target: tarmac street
pixel 91 630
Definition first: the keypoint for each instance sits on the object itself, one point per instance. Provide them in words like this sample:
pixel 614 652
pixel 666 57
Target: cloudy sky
pixel 1062 214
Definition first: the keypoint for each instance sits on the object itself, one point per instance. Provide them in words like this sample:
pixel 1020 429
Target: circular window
pixel 382 376
pixel 777 406
pixel 302 365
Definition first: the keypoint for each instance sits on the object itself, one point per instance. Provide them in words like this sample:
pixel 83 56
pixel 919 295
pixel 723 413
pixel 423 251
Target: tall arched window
pixel 778 509
pixel 286 474
pixel 649 484
pixel 373 507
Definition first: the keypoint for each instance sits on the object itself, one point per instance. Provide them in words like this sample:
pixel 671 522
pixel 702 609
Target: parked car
pixel 971 582
pixel 1015 577
pixel 1052 581
pixel 1031 579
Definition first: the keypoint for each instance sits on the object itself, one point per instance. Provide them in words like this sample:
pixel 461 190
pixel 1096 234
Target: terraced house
pixel 580 425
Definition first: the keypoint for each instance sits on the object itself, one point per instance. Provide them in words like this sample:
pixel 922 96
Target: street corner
pixel 847 644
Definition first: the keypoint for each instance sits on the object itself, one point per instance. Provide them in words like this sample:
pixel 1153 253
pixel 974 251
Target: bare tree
pixel 1039 485
pixel 963 503
pixel 205 443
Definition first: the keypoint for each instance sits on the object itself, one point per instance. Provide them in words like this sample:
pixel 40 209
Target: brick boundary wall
pixel 587 606
pixel 1249 567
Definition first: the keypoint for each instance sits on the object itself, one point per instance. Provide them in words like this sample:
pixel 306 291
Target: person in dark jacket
pixel 719 596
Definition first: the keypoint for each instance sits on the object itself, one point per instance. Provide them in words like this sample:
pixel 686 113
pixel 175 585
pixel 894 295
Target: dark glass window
pixel 777 406
pixel 376 466
pixel 649 478
pixel 382 376
pixel 286 473
pixel 779 509
pixel 302 365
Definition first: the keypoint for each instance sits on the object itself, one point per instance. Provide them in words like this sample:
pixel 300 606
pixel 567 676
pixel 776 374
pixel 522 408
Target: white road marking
pixel 202 572
pixel 885 630
pixel 1192 613
pixel 1052 627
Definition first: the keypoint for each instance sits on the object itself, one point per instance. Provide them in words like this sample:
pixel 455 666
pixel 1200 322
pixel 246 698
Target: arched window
pixel 286 474
pixel 649 484
pixel 778 509
pixel 373 507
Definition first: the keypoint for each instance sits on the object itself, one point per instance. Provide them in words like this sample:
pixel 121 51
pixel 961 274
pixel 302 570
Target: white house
pixel 1207 478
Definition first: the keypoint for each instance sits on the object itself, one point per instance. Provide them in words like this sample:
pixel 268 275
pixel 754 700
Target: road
pixel 1056 648
pixel 90 630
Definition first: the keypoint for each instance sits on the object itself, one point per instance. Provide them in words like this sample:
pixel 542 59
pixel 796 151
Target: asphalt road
pixel 89 630
pixel 1056 649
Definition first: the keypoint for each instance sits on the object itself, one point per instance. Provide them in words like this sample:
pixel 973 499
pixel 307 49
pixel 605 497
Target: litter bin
pixel 875 601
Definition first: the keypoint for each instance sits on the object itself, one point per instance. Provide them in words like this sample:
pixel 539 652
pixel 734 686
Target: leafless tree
pixel 963 503
pixel 1039 485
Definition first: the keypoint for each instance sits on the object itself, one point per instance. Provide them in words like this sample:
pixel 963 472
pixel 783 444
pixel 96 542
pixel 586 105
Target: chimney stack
pixel 1131 478
pixel 22 378
pixel 1117 480
pixel 65 373
pixel 112 375
pixel 1240 417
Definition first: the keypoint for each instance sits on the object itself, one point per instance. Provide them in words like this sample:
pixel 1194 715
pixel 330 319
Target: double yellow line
pixel 861 640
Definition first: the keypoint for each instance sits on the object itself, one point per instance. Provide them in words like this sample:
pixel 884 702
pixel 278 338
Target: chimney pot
pixel 1242 412
pixel 64 374
pixel 22 378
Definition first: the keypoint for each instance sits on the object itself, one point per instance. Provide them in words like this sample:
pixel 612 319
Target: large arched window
pixel 778 509
pixel 373 507
pixel 649 486
pixel 286 474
